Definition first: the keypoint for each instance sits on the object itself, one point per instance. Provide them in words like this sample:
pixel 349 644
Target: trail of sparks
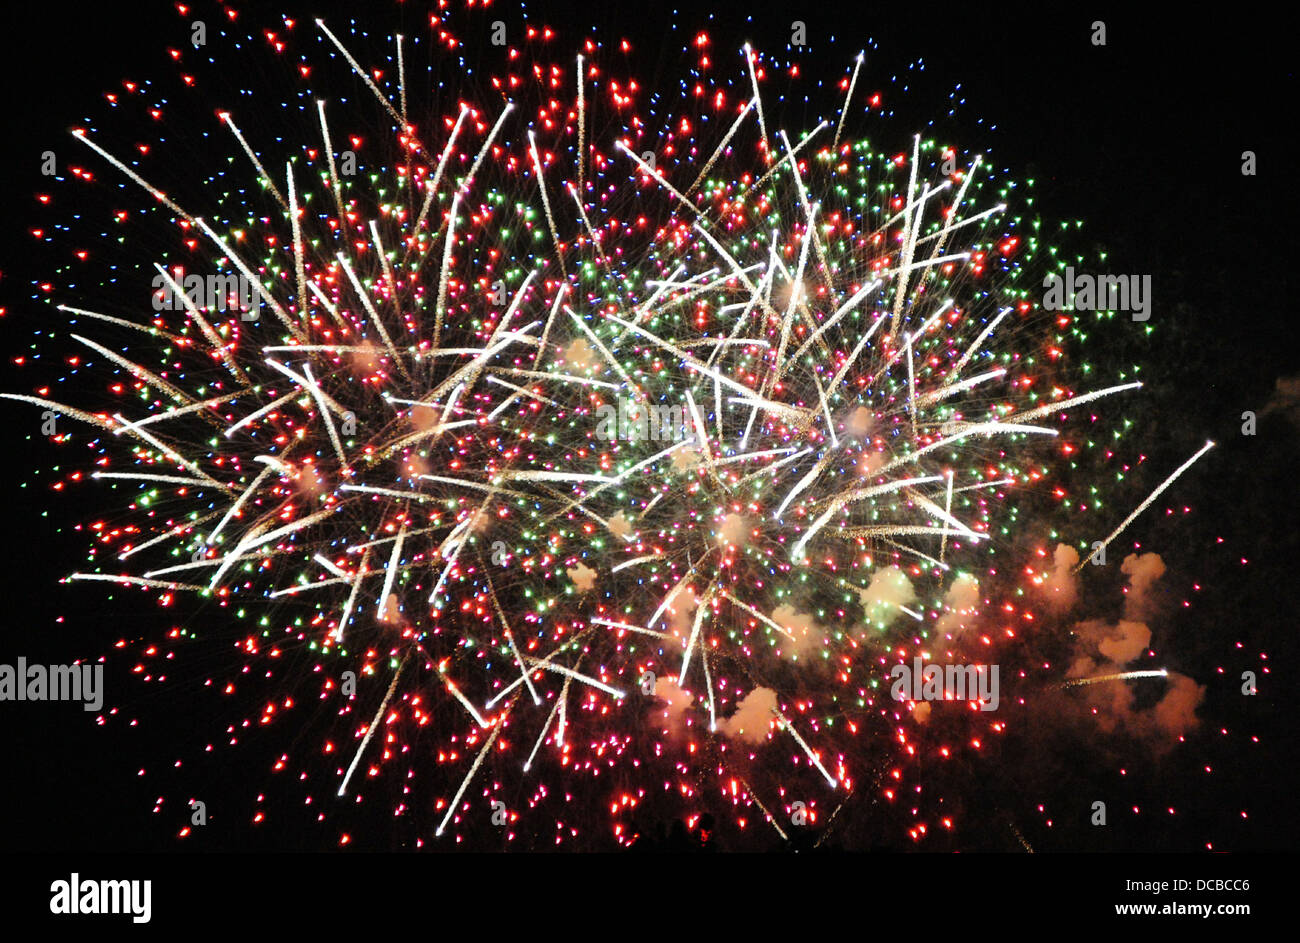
pixel 1117 676
pixel 1149 501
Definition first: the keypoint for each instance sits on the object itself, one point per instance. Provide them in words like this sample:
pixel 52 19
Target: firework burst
pixel 568 412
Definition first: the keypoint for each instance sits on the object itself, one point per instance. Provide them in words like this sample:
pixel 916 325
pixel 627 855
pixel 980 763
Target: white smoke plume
pixel 1101 648
pixel 807 633
pixel 753 717
pixel 961 603
pixel 889 589
pixel 1060 585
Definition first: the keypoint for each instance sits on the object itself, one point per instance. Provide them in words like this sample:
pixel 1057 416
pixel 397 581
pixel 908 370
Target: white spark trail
pixel 582 128
pixel 431 188
pixel 842 500
pixel 374 724
pixel 212 337
pixel 628 626
pixel 252 279
pixel 546 201
pixel 577 676
pixel 261 171
pixel 844 111
pixel 448 245
pixel 364 76
pixel 758 615
pixel 790 154
pixel 329 159
pixel 789 727
pixel 700 611
pixel 157 194
pixel 1064 405
pixel 758 100
pixel 722 146
pixel 1118 676
pixel 505 625
pixel 390 574
pixel 1149 501
pixel 980 340
pixel 478 761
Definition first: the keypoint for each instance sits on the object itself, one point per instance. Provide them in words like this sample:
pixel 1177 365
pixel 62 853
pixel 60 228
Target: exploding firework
pixel 595 438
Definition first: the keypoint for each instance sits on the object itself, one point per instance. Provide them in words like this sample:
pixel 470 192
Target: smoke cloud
pixel 753 717
pixel 1060 586
pixel 1142 571
pixel 1102 648
pixel 962 601
pixel 807 633
pixel 889 589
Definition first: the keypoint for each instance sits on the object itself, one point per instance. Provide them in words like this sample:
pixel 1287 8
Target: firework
pixel 568 411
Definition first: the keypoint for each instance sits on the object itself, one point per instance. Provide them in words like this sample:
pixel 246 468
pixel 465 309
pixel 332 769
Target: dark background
pixel 1142 139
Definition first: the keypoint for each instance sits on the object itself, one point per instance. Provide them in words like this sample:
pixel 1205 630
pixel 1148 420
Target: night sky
pixel 1141 139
